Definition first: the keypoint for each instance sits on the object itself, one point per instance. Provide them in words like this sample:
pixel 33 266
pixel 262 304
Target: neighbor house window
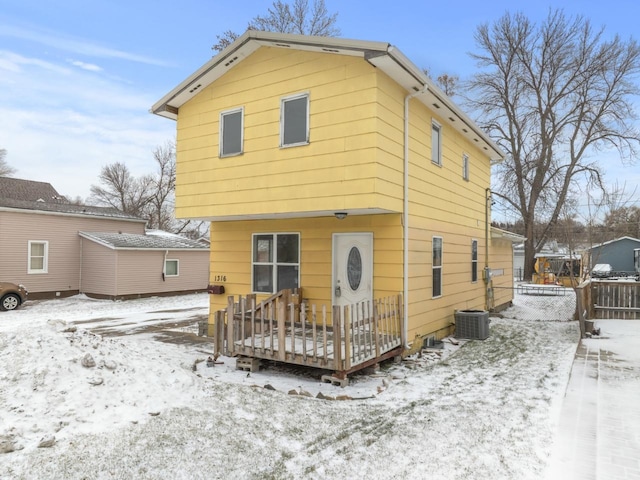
pixel 231 135
pixel 171 268
pixel 474 260
pixel 436 143
pixel 38 256
pixel 275 261
pixel 465 167
pixel 294 121
pixel 436 267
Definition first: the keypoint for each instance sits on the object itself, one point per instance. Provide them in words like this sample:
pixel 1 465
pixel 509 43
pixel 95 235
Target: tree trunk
pixel 529 251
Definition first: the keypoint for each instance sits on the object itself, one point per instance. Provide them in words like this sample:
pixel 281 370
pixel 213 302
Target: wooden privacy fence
pixel 615 299
pixel 608 300
pixel 284 329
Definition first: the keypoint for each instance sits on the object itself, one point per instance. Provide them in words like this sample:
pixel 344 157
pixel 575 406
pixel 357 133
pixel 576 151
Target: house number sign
pixel 220 278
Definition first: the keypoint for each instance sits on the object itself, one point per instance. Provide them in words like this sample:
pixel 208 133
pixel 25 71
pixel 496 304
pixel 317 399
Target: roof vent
pixel 436 105
pixel 231 61
pixel 195 88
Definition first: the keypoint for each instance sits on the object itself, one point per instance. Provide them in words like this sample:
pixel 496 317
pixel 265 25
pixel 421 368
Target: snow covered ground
pixel 130 406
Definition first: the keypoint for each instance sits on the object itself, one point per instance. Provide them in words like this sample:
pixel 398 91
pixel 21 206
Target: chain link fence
pixel 558 304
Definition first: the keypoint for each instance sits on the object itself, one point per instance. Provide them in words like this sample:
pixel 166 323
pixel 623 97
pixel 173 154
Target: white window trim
pixel 473 240
pixel 465 167
pixel 283 100
pixel 221 132
pixel 45 261
pixel 439 267
pixel 436 125
pixel 177 267
pixel 274 273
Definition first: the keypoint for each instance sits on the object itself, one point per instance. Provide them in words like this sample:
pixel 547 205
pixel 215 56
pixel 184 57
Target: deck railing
pixel 284 329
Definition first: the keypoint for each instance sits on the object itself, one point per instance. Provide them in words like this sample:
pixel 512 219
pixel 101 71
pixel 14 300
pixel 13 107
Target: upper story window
pixel 275 262
pixel 294 121
pixel 436 267
pixel 465 167
pixel 436 143
pixel 171 268
pixel 231 132
pixel 38 257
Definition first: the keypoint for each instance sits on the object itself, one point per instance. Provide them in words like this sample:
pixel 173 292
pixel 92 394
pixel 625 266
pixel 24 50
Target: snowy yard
pixel 149 409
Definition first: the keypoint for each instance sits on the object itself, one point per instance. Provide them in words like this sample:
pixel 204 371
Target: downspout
pixel 487 271
pixel 80 276
pixel 405 218
pixel 164 265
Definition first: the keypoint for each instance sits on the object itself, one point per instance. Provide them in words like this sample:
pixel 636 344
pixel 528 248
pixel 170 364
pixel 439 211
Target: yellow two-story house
pixel 337 166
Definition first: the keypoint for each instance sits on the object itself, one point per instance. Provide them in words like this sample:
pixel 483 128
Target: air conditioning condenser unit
pixel 472 324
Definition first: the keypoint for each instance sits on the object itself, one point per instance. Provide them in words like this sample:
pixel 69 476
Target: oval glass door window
pixel 354 268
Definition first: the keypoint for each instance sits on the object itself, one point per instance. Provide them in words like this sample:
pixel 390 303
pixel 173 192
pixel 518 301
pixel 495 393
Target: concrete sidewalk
pixel 599 429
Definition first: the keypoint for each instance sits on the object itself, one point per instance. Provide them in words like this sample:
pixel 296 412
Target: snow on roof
pixel 153 240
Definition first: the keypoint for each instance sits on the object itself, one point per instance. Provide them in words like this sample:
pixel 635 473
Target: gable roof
pixel 16 193
pixel 615 240
pixel 66 209
pixel 27 190
pixel 381 55
pixel 149 241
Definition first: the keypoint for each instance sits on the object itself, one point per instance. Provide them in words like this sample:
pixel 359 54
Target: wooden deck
pixel 284 329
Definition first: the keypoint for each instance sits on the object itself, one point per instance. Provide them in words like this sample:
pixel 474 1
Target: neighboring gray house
pixel 41 247
pixel 618 253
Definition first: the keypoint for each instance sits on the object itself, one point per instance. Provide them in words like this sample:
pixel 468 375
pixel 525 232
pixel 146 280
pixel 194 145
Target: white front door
pixel 352 268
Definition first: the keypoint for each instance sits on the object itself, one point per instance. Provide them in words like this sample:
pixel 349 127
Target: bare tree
pixel 300 18
pixel 119 189
pixel 447 82
pixel 6 170
pixel 163 185
pixel 553 96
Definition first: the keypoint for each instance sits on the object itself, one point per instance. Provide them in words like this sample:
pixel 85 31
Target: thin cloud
pixel 75 45
pixel 85 66
pixel 14 62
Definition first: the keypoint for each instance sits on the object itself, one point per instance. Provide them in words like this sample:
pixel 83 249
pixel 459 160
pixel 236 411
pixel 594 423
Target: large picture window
pixel 231 135
pixel 38 257
pixel 276 262
pixel 294 121
pixel 436 267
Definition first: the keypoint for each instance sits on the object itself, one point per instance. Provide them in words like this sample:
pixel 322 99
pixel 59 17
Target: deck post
pixel 230 321
pixel 400 315
pixel 337 340
pixel 303 321
pixel 282 332
pixel 376 331
pixel 218 346
pixel 291 309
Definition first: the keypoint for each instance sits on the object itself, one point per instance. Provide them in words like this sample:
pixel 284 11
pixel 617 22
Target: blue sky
pixel 77 78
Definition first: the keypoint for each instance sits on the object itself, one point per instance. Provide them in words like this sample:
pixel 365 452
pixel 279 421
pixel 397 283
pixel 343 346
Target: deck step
pixel 340 382
pixel 248 364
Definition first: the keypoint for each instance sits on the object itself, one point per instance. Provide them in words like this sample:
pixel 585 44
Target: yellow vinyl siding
pixel 231 253
pixel 443 204
pixel 342 155
pixel 354 161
